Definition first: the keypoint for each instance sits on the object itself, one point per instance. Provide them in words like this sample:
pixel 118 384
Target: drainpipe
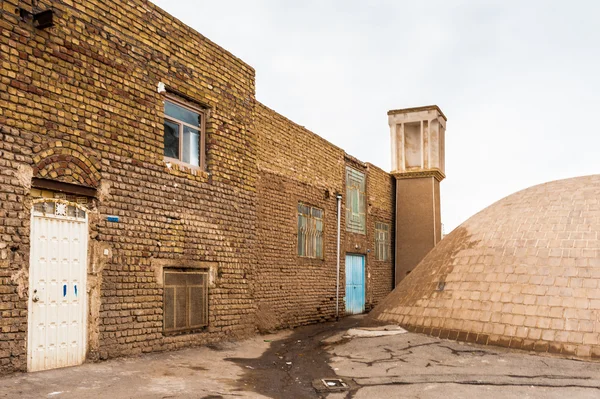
pixel 337 282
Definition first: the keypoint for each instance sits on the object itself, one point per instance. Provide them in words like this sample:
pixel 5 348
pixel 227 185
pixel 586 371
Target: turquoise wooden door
pixel 355 284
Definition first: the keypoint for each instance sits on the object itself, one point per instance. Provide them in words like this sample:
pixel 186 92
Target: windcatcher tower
pixel 418 165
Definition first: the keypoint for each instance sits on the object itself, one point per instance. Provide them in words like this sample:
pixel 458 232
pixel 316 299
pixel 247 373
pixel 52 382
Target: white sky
pixel 518 80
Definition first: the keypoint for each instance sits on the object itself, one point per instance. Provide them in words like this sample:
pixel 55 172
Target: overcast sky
pixel 518 80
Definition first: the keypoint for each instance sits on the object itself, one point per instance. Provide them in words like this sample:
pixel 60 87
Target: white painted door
pixel 57 286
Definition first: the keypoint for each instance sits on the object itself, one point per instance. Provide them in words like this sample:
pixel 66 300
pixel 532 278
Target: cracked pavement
pixel 285 365
pixel 417 366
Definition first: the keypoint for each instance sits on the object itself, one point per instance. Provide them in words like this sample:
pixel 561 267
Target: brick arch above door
pixel 68 163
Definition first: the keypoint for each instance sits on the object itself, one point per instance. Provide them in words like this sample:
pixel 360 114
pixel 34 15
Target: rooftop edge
pixel 417 109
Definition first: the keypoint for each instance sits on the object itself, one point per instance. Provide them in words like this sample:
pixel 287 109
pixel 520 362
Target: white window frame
pixel 201 129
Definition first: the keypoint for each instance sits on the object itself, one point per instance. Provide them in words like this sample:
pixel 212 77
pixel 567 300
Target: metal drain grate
pixel 327 385
pixel 335 384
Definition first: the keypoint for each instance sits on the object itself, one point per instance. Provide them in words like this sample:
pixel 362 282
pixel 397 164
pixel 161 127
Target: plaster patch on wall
pixel 96 264
pixel 21 278
pixel 98 259
pixel 94 282
pixel 104 191
pixel 24 174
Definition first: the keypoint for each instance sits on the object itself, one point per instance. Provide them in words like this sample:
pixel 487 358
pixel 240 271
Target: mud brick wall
pixel 80 105
pixel 14 242
pixel 295 165
pixel 380 208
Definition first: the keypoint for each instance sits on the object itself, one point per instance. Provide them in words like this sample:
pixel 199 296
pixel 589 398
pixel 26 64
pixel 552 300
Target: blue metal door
pixel 355 284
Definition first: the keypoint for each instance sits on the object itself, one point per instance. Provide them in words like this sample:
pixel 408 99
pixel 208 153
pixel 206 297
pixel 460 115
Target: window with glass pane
pixel 184 134
pixel 310 231
pixel 382 241
pixel 355 201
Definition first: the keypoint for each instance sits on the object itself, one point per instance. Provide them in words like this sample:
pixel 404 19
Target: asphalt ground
pixel 291 364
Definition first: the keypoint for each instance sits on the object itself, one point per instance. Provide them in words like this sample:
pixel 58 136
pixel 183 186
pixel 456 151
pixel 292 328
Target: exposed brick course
pixel 295 165
pixel 81 106
pixel 380 202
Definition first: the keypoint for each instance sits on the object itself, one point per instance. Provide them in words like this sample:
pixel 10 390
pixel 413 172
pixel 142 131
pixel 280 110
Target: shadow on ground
pixel 288 367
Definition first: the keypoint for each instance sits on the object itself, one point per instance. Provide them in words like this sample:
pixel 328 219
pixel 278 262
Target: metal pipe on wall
pixel 337 281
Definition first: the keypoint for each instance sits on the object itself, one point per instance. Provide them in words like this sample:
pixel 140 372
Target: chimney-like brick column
pixel 417 136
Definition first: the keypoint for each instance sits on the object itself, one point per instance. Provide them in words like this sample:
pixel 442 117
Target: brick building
pixel 292 289
pixel 148 202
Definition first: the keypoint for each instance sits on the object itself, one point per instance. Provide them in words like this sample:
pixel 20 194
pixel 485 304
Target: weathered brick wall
pixel 380 207
pixel 295 165
pixel 288 149
pixel 14 239
pixel 356 243
pixel 80 104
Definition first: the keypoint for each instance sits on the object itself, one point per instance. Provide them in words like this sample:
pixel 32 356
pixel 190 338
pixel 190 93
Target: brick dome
pixel 522 273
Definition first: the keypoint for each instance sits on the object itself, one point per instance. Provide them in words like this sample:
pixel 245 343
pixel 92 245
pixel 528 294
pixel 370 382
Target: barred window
pixel 310 231
pixel 355 201
pixel 382 241
pixel 185 300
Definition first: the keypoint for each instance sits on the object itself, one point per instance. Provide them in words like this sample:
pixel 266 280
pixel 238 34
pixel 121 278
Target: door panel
pixel 355 284
pixel 57 292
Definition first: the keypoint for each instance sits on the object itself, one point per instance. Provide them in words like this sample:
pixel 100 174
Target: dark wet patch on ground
pixel 197 368
pixel 288 367
pixel 217 346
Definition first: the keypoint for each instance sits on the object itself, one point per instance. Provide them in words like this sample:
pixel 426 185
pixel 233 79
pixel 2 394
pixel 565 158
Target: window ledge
pixel 181 169
pixel 199 330
pixel 362 233
pixel 307 260
pixel 158 265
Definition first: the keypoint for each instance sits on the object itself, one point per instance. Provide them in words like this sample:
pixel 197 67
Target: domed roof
pixel 523 273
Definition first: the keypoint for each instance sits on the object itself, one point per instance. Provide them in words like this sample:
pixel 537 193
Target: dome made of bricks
pixel 522 273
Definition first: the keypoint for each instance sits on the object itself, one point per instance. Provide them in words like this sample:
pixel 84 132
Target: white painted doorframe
pixel 57 303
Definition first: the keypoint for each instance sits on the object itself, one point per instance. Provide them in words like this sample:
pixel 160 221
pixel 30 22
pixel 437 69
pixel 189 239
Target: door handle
pixel 35 297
